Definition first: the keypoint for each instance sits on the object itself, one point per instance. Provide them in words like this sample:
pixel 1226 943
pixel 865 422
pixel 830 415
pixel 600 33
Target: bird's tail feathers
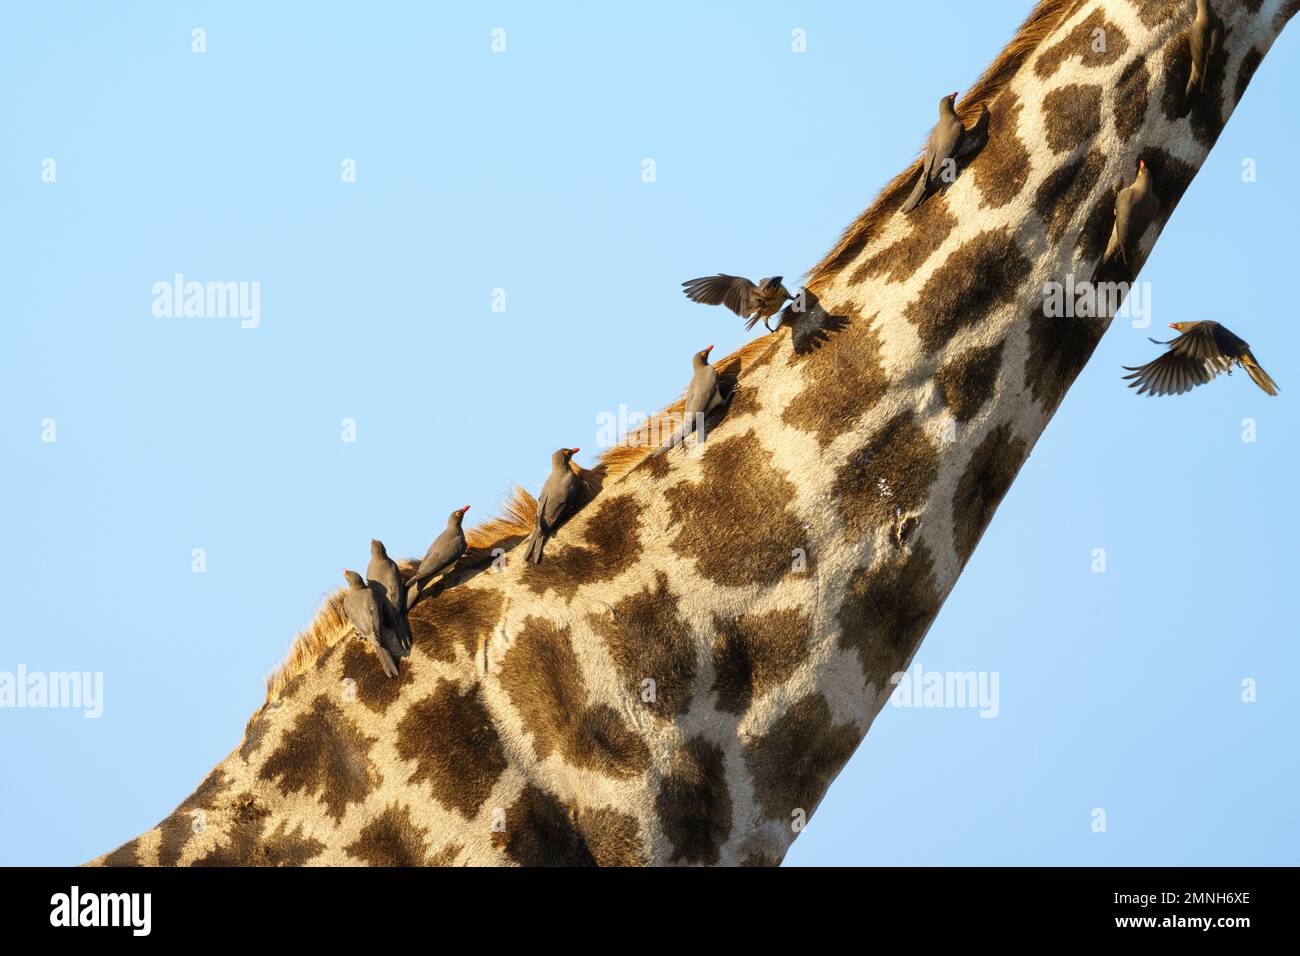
pixel 1258 375
pixel 918 193
pixel 533 550
pixel 385 658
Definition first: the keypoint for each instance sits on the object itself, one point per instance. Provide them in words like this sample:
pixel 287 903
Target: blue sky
pixel 523 171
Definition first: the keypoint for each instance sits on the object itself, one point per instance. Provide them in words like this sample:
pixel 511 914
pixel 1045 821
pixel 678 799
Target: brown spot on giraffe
pixel 694 803
pixel 1097 224
pixel 612 838
pixel 745 401
pixel 541 674
pixel 128 854
pixel 1002 166
pixel 793 763
pixel 457 617
pixel 1131 98
pixel 1082 41
pixel 391 839
pixel 647 639
pixel 1246 72
pixel 247 844
pixel 1065 189
pixel 886 611
pixel 1059 347
pixel 1176 66
pixel 1171 177
pixel 980 276
pixel 658 466
pixel 842 381
pixel 542 831
pixel 760 859
pixel 891 473
pixel 374 688
pixel 452 740
pixel 856 238
pixel 931 223
pixel 447 855
pixel 1072 116
pixel 967 382
pixel 611 542
pixel 324 753
pixel 1155 12
pixel 753 653
pixel 982 485
pixel 733 522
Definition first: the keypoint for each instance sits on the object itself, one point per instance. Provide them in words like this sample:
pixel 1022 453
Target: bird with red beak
pixel 555 503
pixel 702 396
pixel 441 556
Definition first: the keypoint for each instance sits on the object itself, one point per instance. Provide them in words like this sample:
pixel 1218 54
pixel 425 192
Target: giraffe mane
pixel 514 521
pixel 1045 18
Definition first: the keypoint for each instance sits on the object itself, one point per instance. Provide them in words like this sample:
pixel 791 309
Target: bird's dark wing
pixel 927 164
pixel 445 549
pixel 362 610
pixel 1123 206
pixel 947 139
pixel 392 584
pixel 555 500
pixel 700 392
pixel 1215 40
pixel 1177 371
pixel 1201 341
pixel 1198 48
pixel 722 289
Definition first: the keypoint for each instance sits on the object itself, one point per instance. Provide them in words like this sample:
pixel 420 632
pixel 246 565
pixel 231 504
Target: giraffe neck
pixel 709 639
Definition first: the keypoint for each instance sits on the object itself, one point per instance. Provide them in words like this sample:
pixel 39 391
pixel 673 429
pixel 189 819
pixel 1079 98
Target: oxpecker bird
pixel 702 397
pixel 1136 207
pixel 1206 37
pixel 748 300
pixel 361 608
pixel 446 550
pixel 382 572
pixel 1201 352
pixel 554 503
pixel 947 144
